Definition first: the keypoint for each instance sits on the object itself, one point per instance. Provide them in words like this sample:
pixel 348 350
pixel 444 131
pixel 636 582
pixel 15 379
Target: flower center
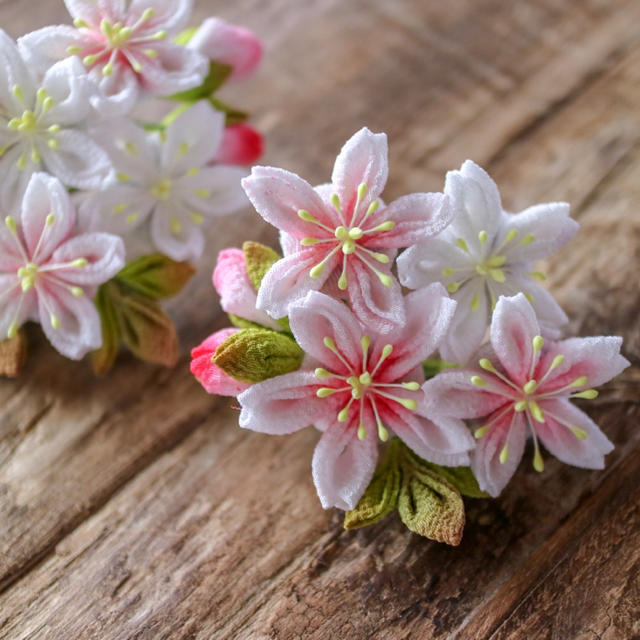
pixel 525 399
pixel 116 36
pixel 161 190
pixel 346 237
pixel 27 275
pixel 29 126
pixel 362 386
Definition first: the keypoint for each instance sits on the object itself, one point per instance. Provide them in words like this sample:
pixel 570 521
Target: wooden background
pixel 134 507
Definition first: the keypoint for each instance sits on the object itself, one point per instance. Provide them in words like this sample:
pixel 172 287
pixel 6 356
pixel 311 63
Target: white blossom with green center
pixel 486 253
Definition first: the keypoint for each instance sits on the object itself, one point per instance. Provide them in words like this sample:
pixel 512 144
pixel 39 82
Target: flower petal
pixel 211 377
pixel 587 453
pixel 428 313
pixel 66 83
pixel 493 475
pixel 343 465
pixel 241 145
pixel 174 232
pixel 44 47
pixel 16 307
pixel 417 217
pixel 278 195
pixel 288 281
pixel 362 159
pixel 117 94
pixel 317 317
pixel 283 404
pixel 513 327
pixel 215 191
pixel 13 185
pixel 171 15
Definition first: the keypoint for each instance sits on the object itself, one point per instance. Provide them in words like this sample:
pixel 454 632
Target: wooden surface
pixel 134 507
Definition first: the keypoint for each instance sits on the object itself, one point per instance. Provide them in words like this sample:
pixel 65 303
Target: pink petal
pixel 451 393
pixel 428 312
pixel 237 294
pixel 210 376
pixel 228 44
pixel 378 307
pixel 493 475
pixel 596 358
pixel 170 15
pixel 417 217
pixel 15 307
pixel 513 327
pixel 79 329
pixel 45 195
pixel 362 159
pixel 288 281
pixel 278 195
pixel 317 317
pixel 343 465
pixel 563 444
pixel 87 11
pixel 103 251
pixel 241 145
pixel 283 404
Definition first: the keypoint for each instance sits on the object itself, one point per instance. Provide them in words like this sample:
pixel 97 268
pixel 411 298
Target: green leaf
pixel 102 360
pixel 243 323
pixel 461 478
pixel 13 355
pixel 253 355
pixel 217 76
pixel 185 36
pixel 381 496
pixel 428 504
pixel 233 115
pixel 156 276
pixel 259 259
pixel 147 330
pixel 433 366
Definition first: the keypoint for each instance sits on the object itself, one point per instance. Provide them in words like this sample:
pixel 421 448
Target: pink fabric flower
pixel 210 376
pixel 229 44
pixel 49 275
pixel 367 386
pixel 523 384
pixel 241 145
pixel 344 234
pixel 126 47
pixel 237 295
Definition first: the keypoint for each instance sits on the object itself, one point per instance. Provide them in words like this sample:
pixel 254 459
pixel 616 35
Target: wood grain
pixel 134 507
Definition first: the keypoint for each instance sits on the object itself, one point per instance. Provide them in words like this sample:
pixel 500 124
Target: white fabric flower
pixel 41 126
pixel 127 47
pixel 486 253
pixel 166 176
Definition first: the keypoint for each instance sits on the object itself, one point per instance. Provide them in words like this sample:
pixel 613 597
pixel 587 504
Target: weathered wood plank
pixel 146 518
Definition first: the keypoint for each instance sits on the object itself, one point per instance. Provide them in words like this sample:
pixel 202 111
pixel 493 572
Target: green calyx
pixel 428 497
pixel 255 354
pixel 259 259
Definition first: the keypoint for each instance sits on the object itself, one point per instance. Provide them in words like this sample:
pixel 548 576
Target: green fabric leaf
pixel 217 76
pixel 185 36
pixel 259 259
pixel 433 366
pixel 13 354
pixel 233 115
pixel 102 360
pixel 381 496
pixel 243 323
pixel 461 478
pixel 253 355
pixel 155 276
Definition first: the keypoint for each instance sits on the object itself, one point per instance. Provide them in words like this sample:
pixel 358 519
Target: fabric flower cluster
pixel 363 340
pixel 68 95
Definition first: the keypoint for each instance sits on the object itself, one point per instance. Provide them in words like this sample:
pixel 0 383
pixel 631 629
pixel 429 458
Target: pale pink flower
pixel 241 145
pixel 486 253
pixel 127 47
pixel 522 383
pixel 342 235
pixel 237 295
pixel 209 375
pixel 367 386
pixel 49 275
pixel 229 44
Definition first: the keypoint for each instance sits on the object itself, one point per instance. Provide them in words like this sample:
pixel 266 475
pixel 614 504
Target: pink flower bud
pixel 241 145
pixel 210 376
pixel 229 44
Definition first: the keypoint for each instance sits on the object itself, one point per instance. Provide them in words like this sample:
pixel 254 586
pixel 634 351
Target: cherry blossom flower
pixel 485 253
pixel 228 44
pixel 367 386
pixel 342 233
pixel 237 295
pixel 49 275
pixel 166 176
pixel 241 145
pixel 126 46
pixel 210 376
pixel 42 121
pixel 522 383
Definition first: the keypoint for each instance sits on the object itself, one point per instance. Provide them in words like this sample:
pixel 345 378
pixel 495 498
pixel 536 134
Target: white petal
pixel 215 191
pixel 171 15
pixel 14 181
pixel 175 234
pixel 67 84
